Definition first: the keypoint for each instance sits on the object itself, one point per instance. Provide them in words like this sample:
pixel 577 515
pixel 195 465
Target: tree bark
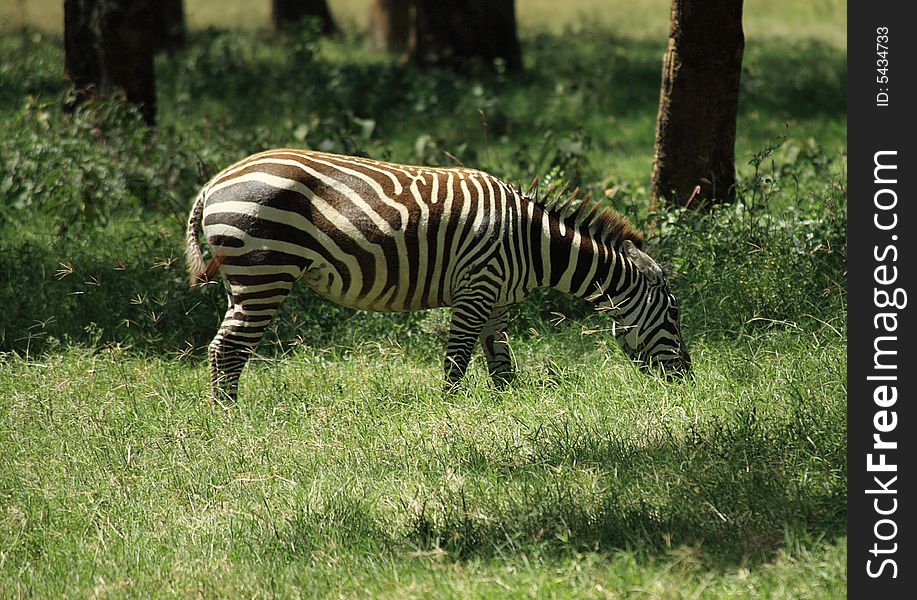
pixel 698 104
pixel 82 64
pixel 463 31
pixel 390 25
pixel 126 49
pixel 168 25
pixel 287 14
pixel 108 45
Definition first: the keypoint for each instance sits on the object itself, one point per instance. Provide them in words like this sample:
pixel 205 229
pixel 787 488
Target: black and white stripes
pixel 385 237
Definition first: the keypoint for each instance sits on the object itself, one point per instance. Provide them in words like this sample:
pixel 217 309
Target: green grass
pixel 825 20
pixel 346 472
pixel 343 471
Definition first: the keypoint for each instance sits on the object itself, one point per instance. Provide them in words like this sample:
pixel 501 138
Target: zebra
pixel 380 236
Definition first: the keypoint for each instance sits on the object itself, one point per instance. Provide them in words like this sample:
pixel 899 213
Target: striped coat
pixel 379 236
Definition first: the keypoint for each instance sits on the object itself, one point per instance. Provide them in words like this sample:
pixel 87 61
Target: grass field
pixel 825 20
pixel 343 470
pixel 346 473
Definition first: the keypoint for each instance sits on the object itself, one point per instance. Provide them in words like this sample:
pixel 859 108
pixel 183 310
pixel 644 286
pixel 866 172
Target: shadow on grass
pixel 803 78
pixel 736 492
pixel 251 75
pixel 130 289
pixel 135 294
pixel 603 73
pixel 735 489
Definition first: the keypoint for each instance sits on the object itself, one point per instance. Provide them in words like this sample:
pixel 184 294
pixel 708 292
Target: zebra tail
pixel 198 272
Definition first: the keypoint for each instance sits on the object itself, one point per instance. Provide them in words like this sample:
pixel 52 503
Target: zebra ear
pixel 645 264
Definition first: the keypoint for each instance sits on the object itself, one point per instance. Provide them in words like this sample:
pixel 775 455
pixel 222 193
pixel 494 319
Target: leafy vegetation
pixel 344 470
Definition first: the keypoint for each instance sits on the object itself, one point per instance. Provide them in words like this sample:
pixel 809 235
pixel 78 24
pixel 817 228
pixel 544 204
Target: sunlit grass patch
pixel 119 462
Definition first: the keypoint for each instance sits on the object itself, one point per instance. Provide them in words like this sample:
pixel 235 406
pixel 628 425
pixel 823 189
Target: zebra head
pixel 646 317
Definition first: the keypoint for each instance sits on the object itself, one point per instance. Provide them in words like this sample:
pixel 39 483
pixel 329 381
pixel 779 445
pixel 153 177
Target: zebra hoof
pixel 503 380
pixel 223 399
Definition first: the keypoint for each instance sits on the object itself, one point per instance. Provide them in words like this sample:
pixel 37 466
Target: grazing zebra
pixel 379 236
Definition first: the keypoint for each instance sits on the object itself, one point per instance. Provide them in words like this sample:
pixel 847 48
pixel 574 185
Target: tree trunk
pixel 460 31
pixel 698 104
pixel 168 25
pixel 290 13
pixel 389 25
pixel 108 44
pixel 126 45
pixel 82 64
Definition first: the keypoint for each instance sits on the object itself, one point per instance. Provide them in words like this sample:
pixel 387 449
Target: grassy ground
pixel 343 471
pixel 825 20
pixel 347 473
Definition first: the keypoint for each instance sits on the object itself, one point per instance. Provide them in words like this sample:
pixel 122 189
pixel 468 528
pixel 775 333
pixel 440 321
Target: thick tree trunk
pixel 126 50
pixel 389 25
pixel 108 45
pixel 290 13
pixel 82 64
pixel 454 33
pixel 168 25
pixel 698 104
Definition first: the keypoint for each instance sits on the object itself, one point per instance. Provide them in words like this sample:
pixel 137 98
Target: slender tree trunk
pixel 290 13
pixel 698 104
pixel 168 25
pixel 389 25
pixel 456 32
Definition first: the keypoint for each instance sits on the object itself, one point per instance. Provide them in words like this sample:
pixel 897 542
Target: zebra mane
pixel 606 224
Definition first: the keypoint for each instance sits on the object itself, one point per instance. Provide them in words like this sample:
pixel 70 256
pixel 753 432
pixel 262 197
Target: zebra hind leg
pixel 495 342
pixel 243 327
pixel 227 359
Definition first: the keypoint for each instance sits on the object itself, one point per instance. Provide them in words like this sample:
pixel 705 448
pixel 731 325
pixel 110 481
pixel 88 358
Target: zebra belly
pixel 327 282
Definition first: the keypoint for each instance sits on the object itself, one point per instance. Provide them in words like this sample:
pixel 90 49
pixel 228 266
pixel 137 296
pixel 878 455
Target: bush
pixel 766 260
pixel 93 203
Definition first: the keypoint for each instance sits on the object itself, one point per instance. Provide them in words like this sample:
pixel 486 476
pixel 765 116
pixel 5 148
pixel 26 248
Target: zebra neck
pixel 574 260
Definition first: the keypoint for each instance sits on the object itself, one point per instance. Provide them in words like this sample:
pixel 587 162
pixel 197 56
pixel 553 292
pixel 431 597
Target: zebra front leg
pixel 468 320
pixel 495 342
